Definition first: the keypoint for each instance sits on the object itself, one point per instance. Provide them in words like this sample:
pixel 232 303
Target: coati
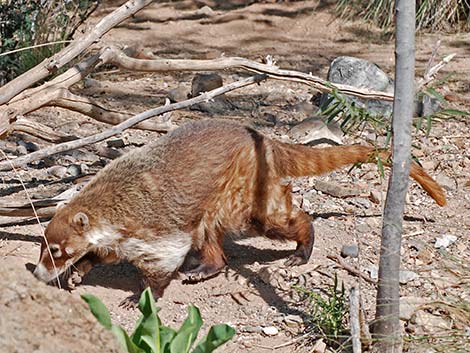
pixel 184 192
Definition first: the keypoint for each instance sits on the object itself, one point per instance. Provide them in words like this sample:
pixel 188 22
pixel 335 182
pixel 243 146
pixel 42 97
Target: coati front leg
pixel 211 258
pixel 84 265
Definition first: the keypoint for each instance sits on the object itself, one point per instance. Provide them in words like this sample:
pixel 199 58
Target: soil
pixel 256 290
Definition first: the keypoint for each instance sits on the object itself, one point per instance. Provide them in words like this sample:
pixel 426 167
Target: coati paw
pixel 130 303
pixel 74 279
pixel 295 260
pixel 201 273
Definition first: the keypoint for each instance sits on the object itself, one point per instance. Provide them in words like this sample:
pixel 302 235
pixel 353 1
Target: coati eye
pixel 55 250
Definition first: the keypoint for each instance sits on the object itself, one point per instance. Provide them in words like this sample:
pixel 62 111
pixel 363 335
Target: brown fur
pixel 186 190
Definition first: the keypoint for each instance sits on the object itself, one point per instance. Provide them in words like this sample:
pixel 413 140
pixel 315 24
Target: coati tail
pixel 297 160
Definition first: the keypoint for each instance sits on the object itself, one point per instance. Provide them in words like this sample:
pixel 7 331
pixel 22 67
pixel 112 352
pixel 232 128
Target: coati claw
pixel 130 303
pixel 74 279
pixel 201 273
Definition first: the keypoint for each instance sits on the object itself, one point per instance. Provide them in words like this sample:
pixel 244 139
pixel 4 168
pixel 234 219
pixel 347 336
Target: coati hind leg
pixel 297 226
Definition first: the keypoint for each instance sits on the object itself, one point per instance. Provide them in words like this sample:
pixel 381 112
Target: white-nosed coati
pixel 185 191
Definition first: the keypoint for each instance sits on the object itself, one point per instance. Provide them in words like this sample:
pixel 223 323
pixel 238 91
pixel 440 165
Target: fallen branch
pixel 40 131
pixel 430 74
pixel 354 319
pixel 351 269
pixel 120 59
pixel 70 52
pixel 8 165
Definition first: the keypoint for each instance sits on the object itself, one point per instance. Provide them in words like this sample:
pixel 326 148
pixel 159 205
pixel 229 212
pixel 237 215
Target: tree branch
pixel 8 165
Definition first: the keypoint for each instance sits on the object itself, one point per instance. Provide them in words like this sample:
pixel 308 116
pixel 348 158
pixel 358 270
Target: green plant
pixel 150 336
pixel 328 312
pixel 430 14
pixel 44 26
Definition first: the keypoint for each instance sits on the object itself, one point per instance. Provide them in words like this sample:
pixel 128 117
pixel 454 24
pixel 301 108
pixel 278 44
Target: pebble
pixel 57 171
pixel 444 241
pixel 270 331
pixel 178 94
pixel 21 150
pixel 407 276
pixel 350 250
pixel 205 82
pixel 408 306
pixel 115 143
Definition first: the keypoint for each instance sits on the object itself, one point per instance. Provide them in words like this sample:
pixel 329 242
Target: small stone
pixel 57 171
pixel 205 11
pixel 115 143
pixel 270 331
pixel 30 146
pixel 444 241
pixel 360 202
pixel 335 189
pixel 363 228
pixel 407 276
pixel 408 306
pixel 373 272
pixel 21 150
pixel 315 130
pixel 319 346
pixel 351 250
pixel 178 94
pixel 205 82
pixel 293 321
pixel 376 196
pixel 430 322
pixel 74 170
pixel 446 182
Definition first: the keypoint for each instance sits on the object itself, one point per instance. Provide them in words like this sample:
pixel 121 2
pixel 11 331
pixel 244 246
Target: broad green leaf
pixel 218 335
pixel 146 334
pixel 166 336
pixel 188 331
pixel 124 340
pixel 98 309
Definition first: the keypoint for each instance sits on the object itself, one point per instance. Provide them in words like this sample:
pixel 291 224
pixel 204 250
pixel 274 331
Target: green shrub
pixel 150 336
pixel 430 14
pixel 30 23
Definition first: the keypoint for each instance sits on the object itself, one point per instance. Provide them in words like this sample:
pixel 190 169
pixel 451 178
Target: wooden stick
pixel 354 319
pixel 8 165
pixel 351 269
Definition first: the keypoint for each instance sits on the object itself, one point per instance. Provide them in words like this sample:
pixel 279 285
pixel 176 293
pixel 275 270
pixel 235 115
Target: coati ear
pixel 81 219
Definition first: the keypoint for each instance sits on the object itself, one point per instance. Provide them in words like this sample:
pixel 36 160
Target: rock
pixel 351 250
pixel 294 321
pixel 363 74
pixel 426 106
pixel 360 202
pixel 429 322
pixel 76 170
pixel 205 11
pixel 270 331
pixel 407 276
pixel 205 82
pixel 335 189
pixel 274 277
pixel 57 171
pixel 446 182
pixel 444 241
pixel 39 318
pixel 373 272
pixel 376 196
pixel 408 306
pixel 319 346
pixel 30 146
pixel 178 94
pixel 315 130
pixel 116 143
pixel 21 150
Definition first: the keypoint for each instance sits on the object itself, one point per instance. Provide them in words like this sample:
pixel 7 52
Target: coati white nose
pixel 42 273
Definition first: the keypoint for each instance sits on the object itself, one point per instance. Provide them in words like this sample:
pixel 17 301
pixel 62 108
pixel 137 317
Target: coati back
pixel 185 191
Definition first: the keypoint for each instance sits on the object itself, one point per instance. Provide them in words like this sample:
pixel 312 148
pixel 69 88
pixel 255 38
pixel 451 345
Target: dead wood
pixel 66 146
pixel 351 269
pixel 40 131
pixel 78 46
pixel 354 309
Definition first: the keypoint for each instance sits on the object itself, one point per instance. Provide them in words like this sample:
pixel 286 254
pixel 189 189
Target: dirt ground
pixel 255 291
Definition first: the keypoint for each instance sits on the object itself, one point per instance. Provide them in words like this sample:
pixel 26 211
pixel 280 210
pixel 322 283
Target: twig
pixel 354 319
pixel 128 123
pixel 70 52
pixel 350 268
pixel 429 76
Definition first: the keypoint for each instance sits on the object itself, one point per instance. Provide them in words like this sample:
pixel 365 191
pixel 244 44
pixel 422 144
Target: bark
pixel 387 327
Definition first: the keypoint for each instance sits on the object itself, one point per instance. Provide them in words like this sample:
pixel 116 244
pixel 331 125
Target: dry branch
pixel 70 52
pixel 8 165
pixel 351 269
pixel 120 59
pixel 354 309
pixel 40 131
